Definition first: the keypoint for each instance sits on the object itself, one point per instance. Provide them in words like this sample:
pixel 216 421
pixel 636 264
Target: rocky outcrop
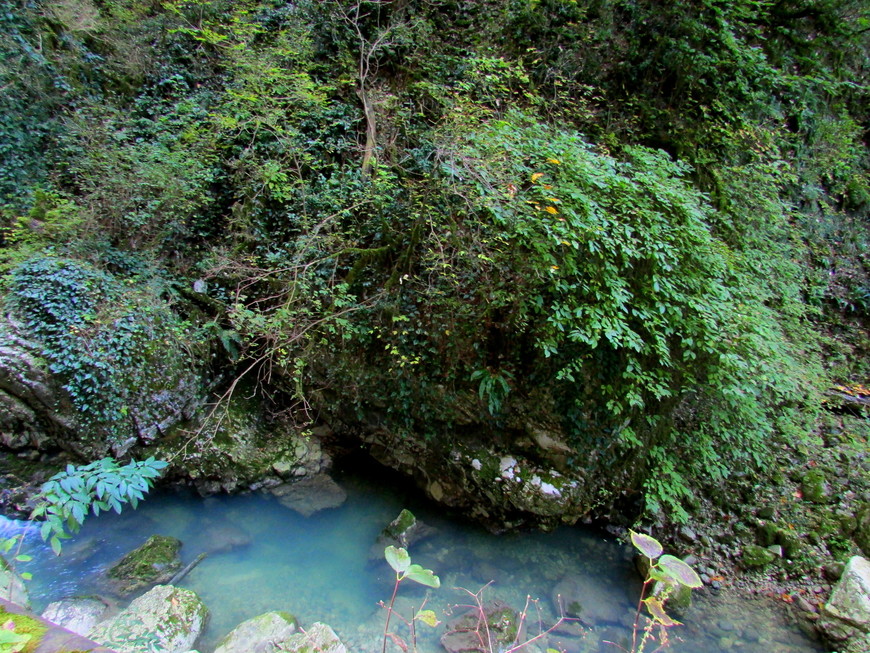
pixel 846 616
pixel 154 562
pixel 166 619
pixel 266 633
pixel 79 614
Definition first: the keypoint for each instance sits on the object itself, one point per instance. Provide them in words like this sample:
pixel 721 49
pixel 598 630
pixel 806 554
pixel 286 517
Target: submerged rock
pixel 310 495
pixel 266 633
pixel 588 599
pixel 846 616
pixel 154 562
pixel 468 633
pixel 225 537
pixel 166 619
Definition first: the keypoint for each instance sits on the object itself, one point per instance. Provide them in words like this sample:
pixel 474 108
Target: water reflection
pixel 263 556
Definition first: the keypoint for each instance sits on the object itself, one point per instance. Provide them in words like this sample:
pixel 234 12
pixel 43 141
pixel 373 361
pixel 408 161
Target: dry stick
pixel 181 574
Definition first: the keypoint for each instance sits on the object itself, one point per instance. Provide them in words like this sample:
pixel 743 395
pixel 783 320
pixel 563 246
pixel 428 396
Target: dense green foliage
pixel 638 216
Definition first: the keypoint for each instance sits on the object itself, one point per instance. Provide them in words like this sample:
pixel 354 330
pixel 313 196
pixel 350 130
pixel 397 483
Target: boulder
pixel 264 634
pixel 310 495
pixel 80 614
pixel 589 599
pixel 319 638
pixel 154 562
pixel 12 585
pixel 846 616
pixel 165 619
pixel 467 633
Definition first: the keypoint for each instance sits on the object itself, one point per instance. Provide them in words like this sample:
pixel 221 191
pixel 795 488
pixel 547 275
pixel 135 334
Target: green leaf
pixel 23 558
pixel 398 559
pixel 646 544
pixel 427 617
pixel 679 571
pixel 26 575
pixel 423 576
pixel 55 545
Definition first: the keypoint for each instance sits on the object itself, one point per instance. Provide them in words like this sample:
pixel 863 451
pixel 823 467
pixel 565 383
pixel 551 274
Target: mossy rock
pixel 862 528
pixel 814 487
pixel 757 556
pixel 264 634
pixel 154 562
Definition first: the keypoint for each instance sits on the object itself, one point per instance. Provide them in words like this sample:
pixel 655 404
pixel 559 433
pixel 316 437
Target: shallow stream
pixel 264 556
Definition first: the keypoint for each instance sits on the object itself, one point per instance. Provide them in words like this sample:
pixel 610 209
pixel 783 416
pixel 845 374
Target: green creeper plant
pixel 400 561
pixel 672 573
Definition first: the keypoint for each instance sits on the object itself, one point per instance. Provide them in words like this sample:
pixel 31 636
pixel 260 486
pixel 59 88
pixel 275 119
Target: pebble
pixel 688 534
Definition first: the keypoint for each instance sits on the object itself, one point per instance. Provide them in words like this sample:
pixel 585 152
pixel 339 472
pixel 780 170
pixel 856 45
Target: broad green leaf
pixel 423 576
pixel 398 559
pixel 427 617
pixel 679 571
pixel 55 545
pixel 27 575
pixel 646 544
pixel 23 558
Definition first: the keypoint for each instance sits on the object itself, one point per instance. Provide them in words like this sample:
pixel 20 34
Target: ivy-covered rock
pixel 266 633
pixel 402 532
pixel 165 619
pixel 154 562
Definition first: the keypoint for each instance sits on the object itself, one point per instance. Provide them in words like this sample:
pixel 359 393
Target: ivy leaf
pixel 647 545
pixel 398 559
pixel 679 571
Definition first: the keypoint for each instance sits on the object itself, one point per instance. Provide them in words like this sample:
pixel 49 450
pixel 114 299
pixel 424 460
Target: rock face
pixel 846 616
pixel 263 634
pixel 310 495
pixel 154 562
pixel 78 614
pixel 166 619
pixel 319 638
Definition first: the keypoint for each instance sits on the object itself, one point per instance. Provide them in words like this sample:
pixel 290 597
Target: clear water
pixel 319 568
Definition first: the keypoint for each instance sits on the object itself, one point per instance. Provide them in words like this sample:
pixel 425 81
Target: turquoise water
pixel 265 557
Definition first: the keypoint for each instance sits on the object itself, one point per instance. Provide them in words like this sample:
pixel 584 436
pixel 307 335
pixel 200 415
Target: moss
pixel 25 625
pixel 154 560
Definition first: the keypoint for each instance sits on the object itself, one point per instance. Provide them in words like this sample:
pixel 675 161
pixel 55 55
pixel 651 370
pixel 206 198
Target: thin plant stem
pixel 390 612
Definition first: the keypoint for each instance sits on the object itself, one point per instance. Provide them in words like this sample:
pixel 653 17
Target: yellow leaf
pixel 552 160
pixel 427 617
pixel 552 209
pixel 657 610
pixel 537 176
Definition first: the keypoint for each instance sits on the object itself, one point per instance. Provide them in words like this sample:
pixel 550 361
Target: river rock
pixel 154 562
pixel 403 531
pixel 310 495
pixel 263 634
pixel 846 616
pixel 12 585
pixel 80 614
pixel 588 599
pixel 319 638
pixel 468 634
pixel 165 619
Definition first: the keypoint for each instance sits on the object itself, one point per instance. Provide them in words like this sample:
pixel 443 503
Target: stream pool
pixel 264 556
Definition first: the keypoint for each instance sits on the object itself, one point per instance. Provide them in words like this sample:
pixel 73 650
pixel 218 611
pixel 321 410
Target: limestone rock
pixel 846 616
pixel 586 598
pixel 310 495
pixel 154 562
pixel 166 619
pixel 263 634
pixel 319 638
pixel 80 614
pixel 12 585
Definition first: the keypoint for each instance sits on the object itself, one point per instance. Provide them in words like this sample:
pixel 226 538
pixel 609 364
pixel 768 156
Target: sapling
pixel 670 571
pixel 400 561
